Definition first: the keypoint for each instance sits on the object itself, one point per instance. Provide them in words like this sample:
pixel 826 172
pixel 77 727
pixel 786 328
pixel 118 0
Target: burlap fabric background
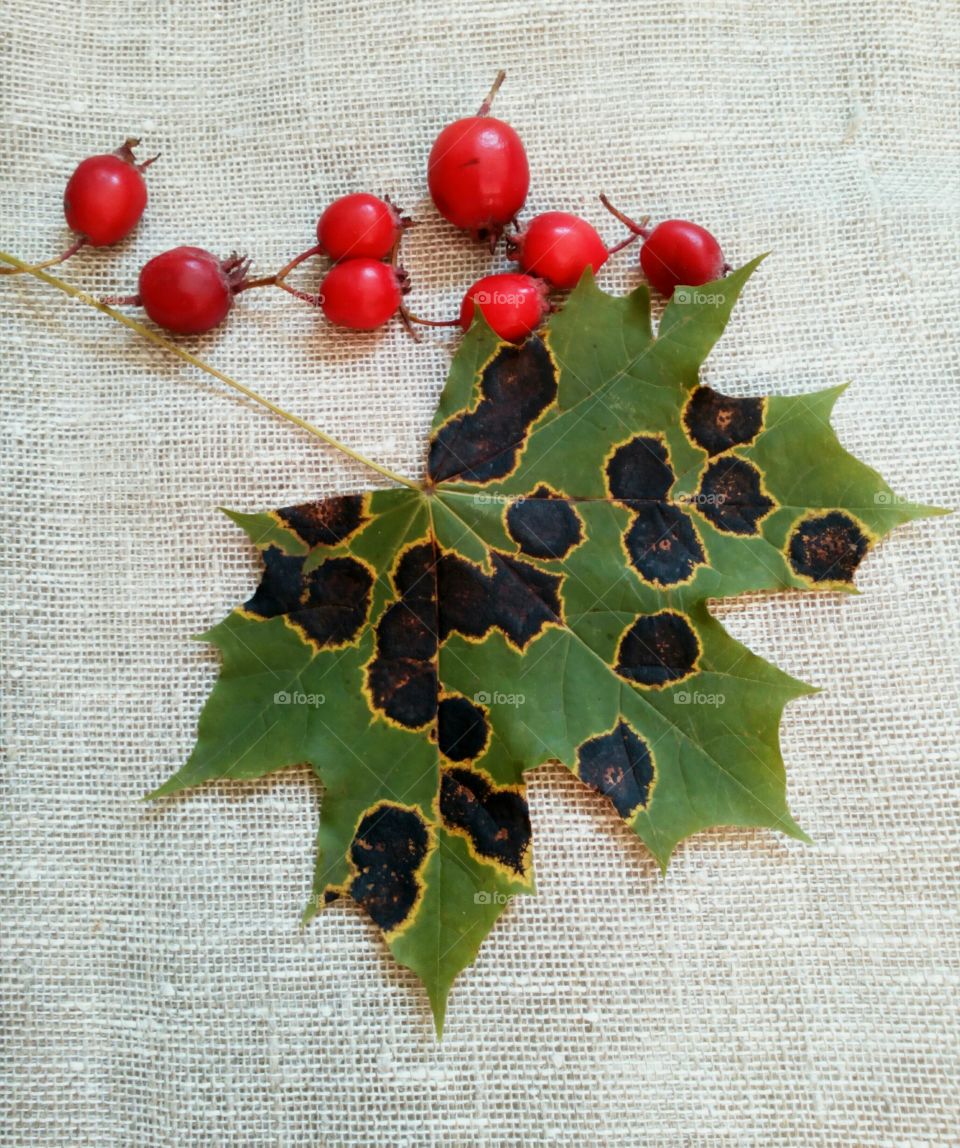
pixel 157 987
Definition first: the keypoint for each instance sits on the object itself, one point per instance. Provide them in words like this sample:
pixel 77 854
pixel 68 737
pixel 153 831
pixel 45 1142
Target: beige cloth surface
pixel 157 989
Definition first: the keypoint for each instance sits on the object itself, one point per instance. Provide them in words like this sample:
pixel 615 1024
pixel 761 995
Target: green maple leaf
pixel 543 596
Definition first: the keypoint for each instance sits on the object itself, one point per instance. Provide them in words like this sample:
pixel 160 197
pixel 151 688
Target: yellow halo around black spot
pixel 827 547
pixel 658 650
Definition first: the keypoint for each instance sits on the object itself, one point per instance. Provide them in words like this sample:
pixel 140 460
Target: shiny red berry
pixel 357 226
pixel 478 173
pixel 106 195
pixel 361 294
pixel 679 252
pixel 513 305
pixel 558 247
pixel 188 290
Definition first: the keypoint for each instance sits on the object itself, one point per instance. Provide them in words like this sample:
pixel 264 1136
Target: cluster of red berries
pixel 478 178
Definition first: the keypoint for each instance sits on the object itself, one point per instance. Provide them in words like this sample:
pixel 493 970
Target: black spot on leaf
pixel 657 649
pixel 731 496
pixel 336 602
pixel 619 765
pixel 330 604
pixel 462 729
pixel 640 471
pixel 544 525
pixel 327 522
pixel 828 547
pixel 517 598
pixel 663 544
pixel 281 585
pixel 496 821
pixel 402 677
pixel 516 387
pixel 388 850
pixel 717 422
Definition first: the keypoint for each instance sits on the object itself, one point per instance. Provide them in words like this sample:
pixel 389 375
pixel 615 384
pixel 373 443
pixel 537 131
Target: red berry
pixel 678 252
pixel 478 173
pixel 361 294
pixel 188 290
pixel 513 305
pixel 359 226
pixel 558 247
pixel 105 196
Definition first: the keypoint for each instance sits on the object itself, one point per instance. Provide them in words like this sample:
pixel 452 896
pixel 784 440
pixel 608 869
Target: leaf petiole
pixel 159 341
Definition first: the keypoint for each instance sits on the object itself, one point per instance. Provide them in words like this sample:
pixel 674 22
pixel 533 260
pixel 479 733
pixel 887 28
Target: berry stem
pixel 297 260
pixel 305 296
pixel 247 284
pixel 71 250
pixel 280 279
pixel 491 95
pixel 429 322
pixel 640 228
pixel 630 239
pixel 187 357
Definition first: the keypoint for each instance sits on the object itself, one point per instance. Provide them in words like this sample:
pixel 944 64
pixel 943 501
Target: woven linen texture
pixel 157 989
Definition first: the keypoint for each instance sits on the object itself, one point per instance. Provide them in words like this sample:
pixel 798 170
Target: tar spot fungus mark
pixel 827 547
pixel 732 497
pixel 640 471
pixel 462 729
pixel 327 522
pixel 496 821
pixel 620 766
pixel 717 422
pixel 281 584
pixel 516 387
pixel 663 545
pixel 657 649
pixel 329 605
pixel 661 541
pixel 388 851
pixel 517 598
pixel 544 524
pixel 402 676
